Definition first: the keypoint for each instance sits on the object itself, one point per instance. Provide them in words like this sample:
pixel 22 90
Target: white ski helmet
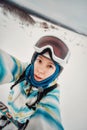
pixel 59 50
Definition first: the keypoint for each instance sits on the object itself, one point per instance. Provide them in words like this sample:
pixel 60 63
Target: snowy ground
pixel 17 38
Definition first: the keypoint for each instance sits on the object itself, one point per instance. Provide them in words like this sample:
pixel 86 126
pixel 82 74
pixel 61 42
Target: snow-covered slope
pixel 17 38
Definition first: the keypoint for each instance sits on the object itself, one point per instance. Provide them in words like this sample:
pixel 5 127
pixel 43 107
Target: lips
pixel 37 77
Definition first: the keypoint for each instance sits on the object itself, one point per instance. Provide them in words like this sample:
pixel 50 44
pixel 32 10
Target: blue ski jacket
pixel 47 115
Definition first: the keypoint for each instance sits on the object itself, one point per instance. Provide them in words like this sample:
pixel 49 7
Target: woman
pixel 34 97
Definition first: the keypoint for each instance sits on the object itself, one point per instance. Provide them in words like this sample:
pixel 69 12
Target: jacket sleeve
pixel 47 115
pixel 10 67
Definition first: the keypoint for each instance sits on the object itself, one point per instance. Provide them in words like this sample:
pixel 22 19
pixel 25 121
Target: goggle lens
pixel 60 50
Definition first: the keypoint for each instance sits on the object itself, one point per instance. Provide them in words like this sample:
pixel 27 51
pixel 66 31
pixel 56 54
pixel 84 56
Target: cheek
pixel 50 72
pixel 35 66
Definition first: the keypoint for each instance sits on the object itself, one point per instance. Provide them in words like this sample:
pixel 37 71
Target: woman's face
pixel 43 68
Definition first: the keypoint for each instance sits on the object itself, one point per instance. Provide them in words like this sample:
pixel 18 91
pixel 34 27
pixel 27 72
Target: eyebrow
pixel 50 62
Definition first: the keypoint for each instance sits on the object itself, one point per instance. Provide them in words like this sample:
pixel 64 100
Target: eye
pixel 50 66
pixel 39 60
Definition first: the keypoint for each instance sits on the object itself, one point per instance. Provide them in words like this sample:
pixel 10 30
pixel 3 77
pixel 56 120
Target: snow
pixel 18 38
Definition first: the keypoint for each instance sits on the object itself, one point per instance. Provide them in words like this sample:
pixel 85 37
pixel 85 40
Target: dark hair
pixel 44 51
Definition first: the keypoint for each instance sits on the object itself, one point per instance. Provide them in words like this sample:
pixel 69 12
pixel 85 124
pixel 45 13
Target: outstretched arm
pixel 10 67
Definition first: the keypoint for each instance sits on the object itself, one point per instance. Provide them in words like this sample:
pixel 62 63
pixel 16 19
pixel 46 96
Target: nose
pixel 41 70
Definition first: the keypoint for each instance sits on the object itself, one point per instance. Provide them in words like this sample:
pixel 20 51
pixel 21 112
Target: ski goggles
pixel 60 52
